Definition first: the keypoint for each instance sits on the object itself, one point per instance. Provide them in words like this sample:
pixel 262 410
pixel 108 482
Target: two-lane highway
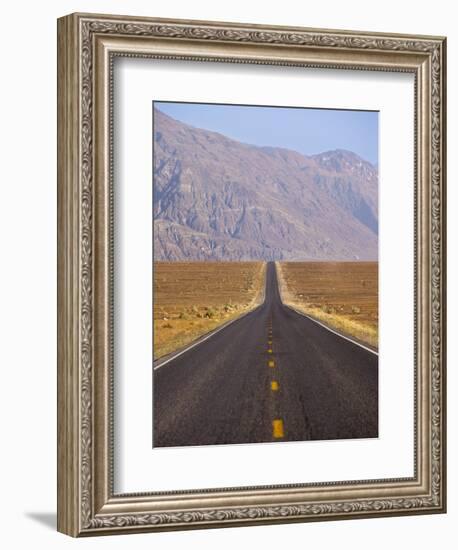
pixel 272 375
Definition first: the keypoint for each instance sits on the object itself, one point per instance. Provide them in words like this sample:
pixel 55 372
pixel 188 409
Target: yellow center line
pixel 271 363
pixel 269 342
pixel 278 430
pixel 274 385
pixel 269 350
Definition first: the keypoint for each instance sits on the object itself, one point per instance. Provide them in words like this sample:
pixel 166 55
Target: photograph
pixel 265 274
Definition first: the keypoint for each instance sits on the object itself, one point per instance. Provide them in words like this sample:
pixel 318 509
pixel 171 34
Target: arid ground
pixel 343 295
pixel 193 298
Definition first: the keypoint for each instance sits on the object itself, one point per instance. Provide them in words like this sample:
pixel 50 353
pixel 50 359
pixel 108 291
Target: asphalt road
pixel 311 385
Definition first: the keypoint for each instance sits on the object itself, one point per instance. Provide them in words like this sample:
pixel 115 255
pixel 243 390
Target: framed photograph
pixel 251 290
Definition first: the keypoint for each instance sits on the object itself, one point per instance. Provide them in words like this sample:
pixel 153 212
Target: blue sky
pixel 308 131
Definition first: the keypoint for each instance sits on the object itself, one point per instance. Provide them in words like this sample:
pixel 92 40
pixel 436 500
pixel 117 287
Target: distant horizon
pixel 215 260
pixel 309 131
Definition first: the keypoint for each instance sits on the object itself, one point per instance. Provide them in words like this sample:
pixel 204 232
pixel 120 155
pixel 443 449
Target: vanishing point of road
pixel 272 375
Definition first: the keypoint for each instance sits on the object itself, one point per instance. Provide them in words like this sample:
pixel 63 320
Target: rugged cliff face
pixel 218 199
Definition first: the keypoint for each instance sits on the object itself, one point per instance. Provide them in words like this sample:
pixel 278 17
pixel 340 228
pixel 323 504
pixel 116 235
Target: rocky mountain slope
pixel 218 199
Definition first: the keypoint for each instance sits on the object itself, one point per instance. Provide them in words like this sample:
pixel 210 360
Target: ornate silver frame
pixel 87 44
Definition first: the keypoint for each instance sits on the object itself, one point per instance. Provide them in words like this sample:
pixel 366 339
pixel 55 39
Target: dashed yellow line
pixel 278 430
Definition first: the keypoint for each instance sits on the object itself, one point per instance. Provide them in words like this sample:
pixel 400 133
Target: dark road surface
pixel 313 384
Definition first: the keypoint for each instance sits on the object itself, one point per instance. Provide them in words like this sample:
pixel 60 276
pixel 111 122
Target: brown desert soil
pixel 193 298
pixel 342 295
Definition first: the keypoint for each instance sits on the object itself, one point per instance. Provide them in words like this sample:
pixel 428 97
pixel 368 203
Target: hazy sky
pixel 308 131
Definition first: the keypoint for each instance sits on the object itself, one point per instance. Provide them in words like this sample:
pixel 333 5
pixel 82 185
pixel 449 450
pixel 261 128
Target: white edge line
pixel 279 275
pixel 201 340
pixel 215 331
pixel 332 330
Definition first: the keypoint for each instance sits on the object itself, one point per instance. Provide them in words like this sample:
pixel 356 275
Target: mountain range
pixel 216 198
